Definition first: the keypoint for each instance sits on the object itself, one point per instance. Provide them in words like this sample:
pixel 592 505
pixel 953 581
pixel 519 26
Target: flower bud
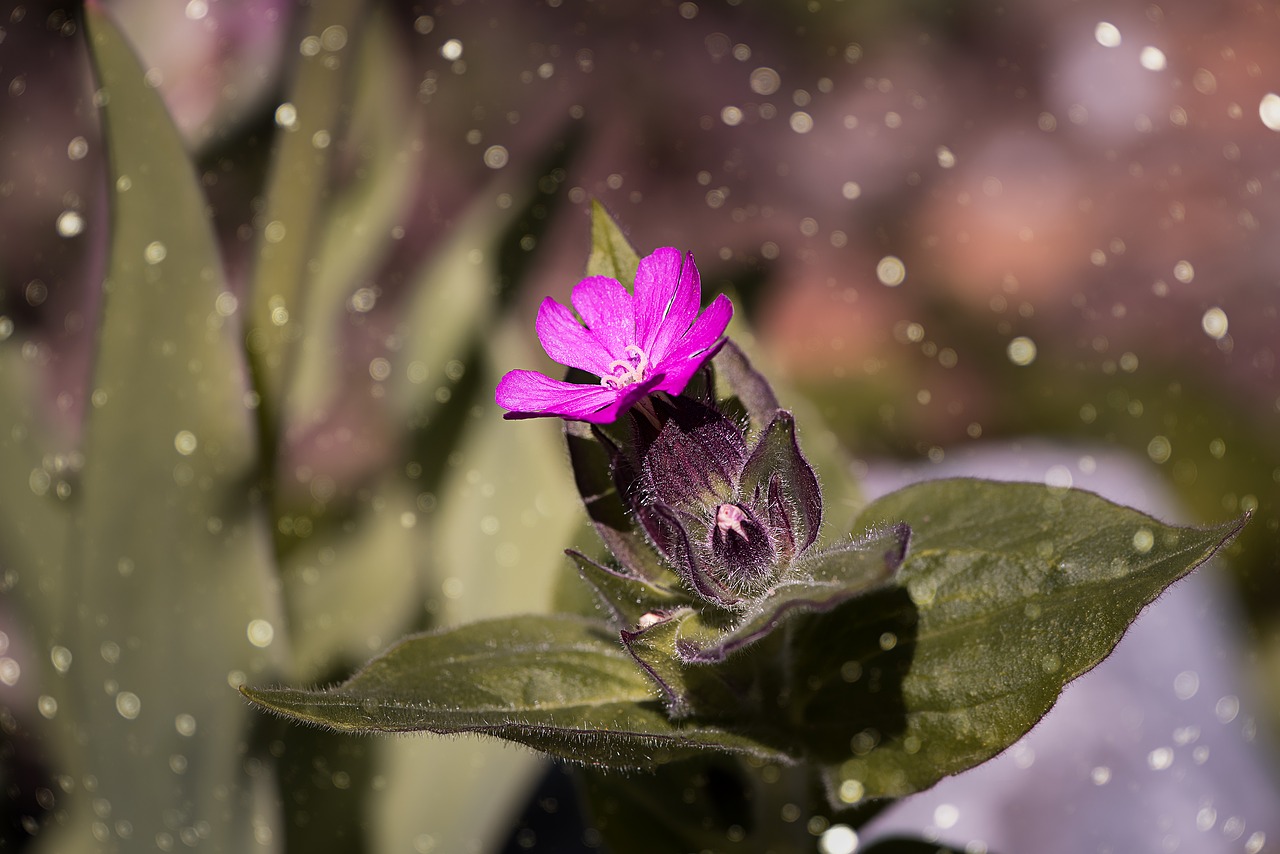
pixel 729 519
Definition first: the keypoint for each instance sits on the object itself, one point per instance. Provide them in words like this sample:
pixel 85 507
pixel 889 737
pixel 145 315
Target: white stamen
pixel 623 372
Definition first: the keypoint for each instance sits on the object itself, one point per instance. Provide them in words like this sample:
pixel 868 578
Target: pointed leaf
pixel 734 371
pixel 557 683
pixel 611 252
pixel 169 564
pixel 628 598
pixel 685 689
pixel 777 455
pixel 1009 592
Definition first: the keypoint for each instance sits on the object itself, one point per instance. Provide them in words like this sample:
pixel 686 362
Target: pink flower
pixel 637 344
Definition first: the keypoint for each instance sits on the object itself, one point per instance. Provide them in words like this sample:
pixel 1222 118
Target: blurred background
pixel 950 226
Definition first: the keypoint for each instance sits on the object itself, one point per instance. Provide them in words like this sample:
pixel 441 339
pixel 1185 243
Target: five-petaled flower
pixel 637 344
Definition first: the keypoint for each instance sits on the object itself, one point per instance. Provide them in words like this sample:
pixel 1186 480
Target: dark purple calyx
pixel 728 518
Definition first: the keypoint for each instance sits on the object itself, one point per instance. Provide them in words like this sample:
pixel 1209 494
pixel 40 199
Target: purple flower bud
pixel 729 519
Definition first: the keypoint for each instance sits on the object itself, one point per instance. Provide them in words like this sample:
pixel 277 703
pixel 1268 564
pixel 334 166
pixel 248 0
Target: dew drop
pixel 1186 684
pixel 851 791
pixel 495 157
pixel 185 442
pixel 334 37
pixel 1160 758
pixel 1107 34
pixel 48 706
pixel 260 633
pixel 1143 540
pixel 226 304
pixel 765 81
pixel 945 816
pixel 128 705
pixel 77 148
pixel 1022 351
pixel 155 252
pixel 1058 477
pixel 838 839
pixel 185 725
pixel 1214 323
pixel 1269 110
pixel 36 292
pixel 363 300
pixel 61 658
pixel 39 481
pixel 451 50
pixel 801 122
pixel 891 271
pixel 70 224
pixel 1152 59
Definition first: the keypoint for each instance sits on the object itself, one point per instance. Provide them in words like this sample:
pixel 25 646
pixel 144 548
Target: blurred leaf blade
pixel 171 566
pixel 367 191
pixel 296 196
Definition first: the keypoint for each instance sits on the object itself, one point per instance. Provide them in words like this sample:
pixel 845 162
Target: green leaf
pixel 297 195
pixel 611 252
pixel 628 598
pixel 169 565
pixel 710 692
pixel 740 380
pixel 1010 591
pixel 711 803
pixel 557 683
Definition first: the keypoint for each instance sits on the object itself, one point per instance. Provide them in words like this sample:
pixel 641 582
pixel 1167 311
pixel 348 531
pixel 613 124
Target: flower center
pixel 629 371
pixel 729 517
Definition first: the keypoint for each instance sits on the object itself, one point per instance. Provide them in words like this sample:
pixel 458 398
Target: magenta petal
pixel 607 309
pixel 530 394
pixel 697 346
pixel 667 294
pixel 682 311
pixel 567 342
